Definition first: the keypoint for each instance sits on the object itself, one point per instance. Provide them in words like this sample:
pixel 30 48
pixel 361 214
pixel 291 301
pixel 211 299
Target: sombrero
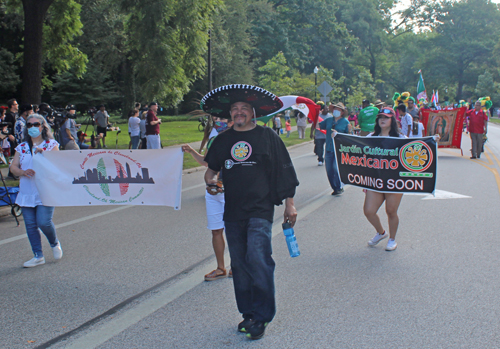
pixel 218 102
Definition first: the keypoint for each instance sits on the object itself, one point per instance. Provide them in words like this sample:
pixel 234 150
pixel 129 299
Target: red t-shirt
pixel 476 121
pixel 152 129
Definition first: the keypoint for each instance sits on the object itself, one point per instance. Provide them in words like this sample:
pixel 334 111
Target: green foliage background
pixel 120 52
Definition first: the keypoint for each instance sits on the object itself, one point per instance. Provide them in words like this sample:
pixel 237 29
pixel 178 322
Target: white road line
pixel 86 218
pixel 122 321
pixel 83 219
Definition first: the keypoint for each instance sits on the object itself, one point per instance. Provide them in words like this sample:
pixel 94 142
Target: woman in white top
pixel 385 126
pixel 134 128
pixel 37 139
pixel 214 205
pixel 418 128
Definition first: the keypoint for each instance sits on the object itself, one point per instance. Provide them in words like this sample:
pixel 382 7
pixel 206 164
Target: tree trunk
pixel 34 15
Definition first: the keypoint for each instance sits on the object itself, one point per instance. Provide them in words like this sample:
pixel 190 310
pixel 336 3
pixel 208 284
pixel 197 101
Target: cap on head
pixel 387 111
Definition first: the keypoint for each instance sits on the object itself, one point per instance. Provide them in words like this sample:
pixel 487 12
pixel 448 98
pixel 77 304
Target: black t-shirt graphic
pixel 251 163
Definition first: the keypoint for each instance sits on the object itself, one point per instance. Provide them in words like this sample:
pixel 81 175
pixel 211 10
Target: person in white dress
pixel 37 139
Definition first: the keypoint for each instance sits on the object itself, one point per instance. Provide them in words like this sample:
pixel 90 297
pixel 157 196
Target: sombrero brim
pixel 218 102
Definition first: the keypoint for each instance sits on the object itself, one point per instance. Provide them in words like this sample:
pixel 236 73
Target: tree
pixel 274 76
pixel 487 87
pixel 92 89
pixel 47 35
pixel 467 32
pixel 8 72
pixel 166 46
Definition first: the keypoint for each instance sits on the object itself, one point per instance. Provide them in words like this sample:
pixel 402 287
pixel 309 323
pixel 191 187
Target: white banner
pixel 110 177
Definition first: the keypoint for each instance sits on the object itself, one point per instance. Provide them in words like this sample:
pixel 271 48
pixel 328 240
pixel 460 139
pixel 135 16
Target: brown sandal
pixel 216 274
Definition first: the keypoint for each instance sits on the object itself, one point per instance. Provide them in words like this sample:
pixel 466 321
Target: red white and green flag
pixel 421 92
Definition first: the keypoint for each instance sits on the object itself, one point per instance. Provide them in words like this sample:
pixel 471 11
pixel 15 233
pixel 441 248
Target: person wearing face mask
pixel 340 124
pixel 37 139
pixel 214 205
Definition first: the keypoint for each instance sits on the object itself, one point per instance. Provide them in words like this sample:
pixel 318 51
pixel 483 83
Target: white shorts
pixel 215 211
pixel 153 141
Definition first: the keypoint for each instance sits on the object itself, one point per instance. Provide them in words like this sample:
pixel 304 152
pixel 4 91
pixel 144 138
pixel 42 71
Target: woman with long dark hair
pixel 37 139
pixel 385 126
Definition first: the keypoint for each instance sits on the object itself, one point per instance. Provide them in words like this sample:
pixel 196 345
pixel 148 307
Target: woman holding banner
pixel 385 126
pixel 37 138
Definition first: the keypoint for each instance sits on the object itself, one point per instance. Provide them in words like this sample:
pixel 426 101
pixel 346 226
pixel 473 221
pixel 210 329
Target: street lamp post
pixel 316 70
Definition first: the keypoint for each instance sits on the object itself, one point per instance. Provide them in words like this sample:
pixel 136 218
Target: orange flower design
pixel 416 157
pixel 241 151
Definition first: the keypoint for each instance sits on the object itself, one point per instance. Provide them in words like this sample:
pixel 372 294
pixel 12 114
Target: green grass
pixel 174 133
pixel 495 121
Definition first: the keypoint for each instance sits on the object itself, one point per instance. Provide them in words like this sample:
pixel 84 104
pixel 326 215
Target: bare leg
pixel 392 202
pixel 219 246
pixel 373 201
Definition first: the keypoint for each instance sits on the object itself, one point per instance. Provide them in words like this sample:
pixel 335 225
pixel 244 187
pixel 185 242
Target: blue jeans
pixel 332 171
pixel 319 148
pixel 135 141
pixel 249 243
pixel 39 217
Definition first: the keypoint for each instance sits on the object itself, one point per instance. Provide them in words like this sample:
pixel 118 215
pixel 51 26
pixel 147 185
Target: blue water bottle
pixel 291 241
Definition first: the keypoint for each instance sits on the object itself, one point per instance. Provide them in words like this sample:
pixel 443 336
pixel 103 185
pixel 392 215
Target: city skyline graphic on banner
pixel 95 176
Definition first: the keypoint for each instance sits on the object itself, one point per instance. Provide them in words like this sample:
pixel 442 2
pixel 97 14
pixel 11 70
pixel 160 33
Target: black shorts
pixel 101 130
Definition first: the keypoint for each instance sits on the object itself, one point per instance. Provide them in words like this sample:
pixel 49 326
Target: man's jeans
pixel 332 171
pixel 39 217
pixel 319 148
pixel 249 243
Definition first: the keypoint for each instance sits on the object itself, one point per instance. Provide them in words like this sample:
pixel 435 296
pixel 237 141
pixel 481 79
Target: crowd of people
pixel 249 172
pixel 28 129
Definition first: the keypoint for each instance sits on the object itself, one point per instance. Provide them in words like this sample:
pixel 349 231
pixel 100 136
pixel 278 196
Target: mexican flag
pixel 303 104
pixel 421 92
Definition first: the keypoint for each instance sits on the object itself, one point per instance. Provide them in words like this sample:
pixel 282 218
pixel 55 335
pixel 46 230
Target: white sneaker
pixel 34 262
pixel 320 163
pixel 377 238
pixel 391 245
pixel 57 250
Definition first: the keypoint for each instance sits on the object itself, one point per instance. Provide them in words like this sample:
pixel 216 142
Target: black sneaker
pixel 256 330
pixel 338 192
pixel 244 325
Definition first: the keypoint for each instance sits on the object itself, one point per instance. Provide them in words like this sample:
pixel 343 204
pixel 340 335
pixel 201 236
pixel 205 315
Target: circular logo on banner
pixel 416 156
pixel 241 151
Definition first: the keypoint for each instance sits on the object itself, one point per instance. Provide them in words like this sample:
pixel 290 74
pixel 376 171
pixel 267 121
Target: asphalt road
pixel 131 277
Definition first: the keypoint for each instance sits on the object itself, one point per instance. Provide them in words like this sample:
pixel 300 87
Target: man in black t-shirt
pixel 258 174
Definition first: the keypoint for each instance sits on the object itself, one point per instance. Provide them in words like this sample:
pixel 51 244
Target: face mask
pixel 336 113
pixel 34 132
pixel 220 126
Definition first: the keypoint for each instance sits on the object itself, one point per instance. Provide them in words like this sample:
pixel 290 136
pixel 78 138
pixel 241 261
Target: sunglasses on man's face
pixel 36 124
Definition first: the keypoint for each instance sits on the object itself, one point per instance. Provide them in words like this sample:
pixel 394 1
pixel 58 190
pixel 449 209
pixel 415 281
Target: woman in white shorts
pixel 215 207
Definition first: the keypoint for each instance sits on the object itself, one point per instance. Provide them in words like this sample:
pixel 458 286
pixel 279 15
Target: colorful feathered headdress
pixel 403 97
